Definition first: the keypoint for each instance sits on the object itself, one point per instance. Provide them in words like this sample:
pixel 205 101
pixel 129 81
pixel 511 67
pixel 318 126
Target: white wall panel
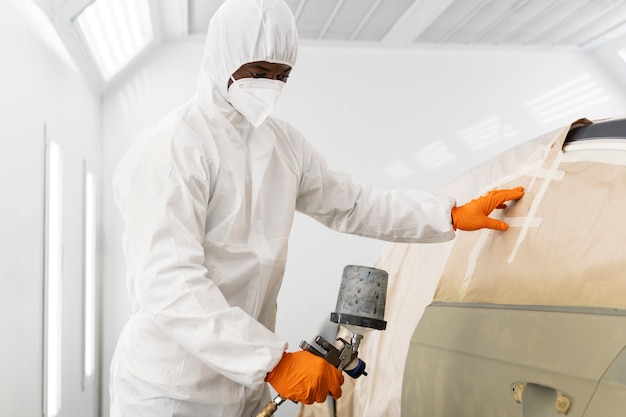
pixel 37 89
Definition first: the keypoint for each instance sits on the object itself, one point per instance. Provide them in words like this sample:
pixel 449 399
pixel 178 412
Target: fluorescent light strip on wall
pixel 115 32
pixel 90 275
pixel 53 287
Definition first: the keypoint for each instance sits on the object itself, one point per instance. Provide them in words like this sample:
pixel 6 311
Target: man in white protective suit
pixel 208 197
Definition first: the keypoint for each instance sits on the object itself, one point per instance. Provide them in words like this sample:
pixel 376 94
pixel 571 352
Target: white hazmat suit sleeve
pixel 163 195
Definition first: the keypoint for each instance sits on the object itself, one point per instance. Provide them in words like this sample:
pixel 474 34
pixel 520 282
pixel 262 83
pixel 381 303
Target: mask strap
pixel 231 84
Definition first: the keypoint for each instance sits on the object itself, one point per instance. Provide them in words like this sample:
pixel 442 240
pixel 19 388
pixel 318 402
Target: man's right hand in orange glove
pixel 305 378
pixel 475 214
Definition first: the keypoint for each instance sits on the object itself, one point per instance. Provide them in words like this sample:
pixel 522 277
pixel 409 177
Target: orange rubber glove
pixel 474 215
pixel 305 378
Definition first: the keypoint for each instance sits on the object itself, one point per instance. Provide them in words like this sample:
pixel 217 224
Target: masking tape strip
pixel 524 171
pixel 533 209
pixel 472 259
pixel 533 170
pixel 548 174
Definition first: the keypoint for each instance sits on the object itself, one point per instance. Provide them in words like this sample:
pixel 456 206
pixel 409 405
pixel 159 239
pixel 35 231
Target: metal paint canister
pixel 361 299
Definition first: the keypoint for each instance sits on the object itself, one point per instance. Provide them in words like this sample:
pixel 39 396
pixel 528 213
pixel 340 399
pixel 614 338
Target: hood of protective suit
pixel 243 31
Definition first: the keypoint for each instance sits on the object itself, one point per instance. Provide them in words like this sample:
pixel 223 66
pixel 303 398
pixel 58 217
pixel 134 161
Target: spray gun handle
pixel 346 358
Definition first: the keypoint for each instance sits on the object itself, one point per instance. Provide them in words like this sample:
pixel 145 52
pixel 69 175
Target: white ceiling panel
pixel 524 22
pixel 457 20
pixel 515 19
pixel 549 24
pixel 384 17
pixel 585 24
pixel 347 21
pixel 441 22
pixel 485 17
pixel 313 17
pixel 594 23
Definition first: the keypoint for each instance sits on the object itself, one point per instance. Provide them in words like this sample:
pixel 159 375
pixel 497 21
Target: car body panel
pixel 465 360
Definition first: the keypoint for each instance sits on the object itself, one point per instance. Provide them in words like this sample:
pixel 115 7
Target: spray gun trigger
pixel 306 346
pixel 331 353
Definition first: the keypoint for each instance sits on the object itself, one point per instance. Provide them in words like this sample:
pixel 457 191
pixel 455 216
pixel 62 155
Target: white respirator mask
pixel 254 98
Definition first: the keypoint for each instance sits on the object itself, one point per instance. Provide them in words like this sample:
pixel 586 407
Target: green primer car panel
pixel 610 397
pixel 469 360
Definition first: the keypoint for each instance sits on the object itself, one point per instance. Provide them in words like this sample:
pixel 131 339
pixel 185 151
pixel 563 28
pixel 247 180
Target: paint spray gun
pixel 360 308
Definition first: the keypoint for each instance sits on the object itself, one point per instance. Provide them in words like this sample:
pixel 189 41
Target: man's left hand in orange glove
pixel 475 214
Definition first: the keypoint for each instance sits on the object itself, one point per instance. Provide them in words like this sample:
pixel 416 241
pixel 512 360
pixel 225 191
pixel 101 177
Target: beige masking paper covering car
pixel 525 323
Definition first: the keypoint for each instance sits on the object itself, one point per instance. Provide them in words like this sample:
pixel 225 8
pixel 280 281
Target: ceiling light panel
pixel 115 32
pixel 385 16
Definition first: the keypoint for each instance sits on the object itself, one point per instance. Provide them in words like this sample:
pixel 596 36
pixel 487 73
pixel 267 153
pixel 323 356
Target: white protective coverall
pixel 208 202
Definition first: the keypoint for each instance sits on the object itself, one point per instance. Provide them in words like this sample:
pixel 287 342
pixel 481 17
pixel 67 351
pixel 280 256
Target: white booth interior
pixel 394 117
